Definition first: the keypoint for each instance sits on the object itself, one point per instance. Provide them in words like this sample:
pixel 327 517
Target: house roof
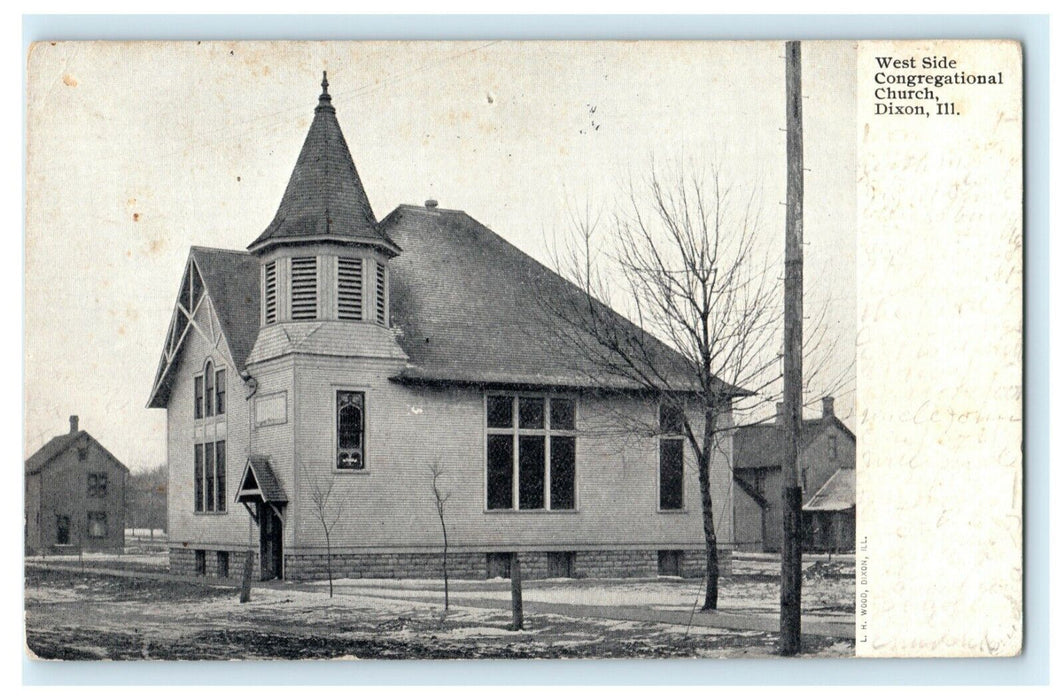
pixel 266 485
pixel 464 302
pixel 231 278
pixel 60 444
pixel 838 493
pixel 762 445
pixel 231 281
pixel 324 199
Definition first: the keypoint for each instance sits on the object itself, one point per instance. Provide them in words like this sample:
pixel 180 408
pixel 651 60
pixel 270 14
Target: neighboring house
pixel 345 355
pixel 75 495
pixel 830 516
pixel 827 447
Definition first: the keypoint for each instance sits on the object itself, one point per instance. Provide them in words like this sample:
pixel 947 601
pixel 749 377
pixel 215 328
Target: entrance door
pixel 62 529
pixel 271 532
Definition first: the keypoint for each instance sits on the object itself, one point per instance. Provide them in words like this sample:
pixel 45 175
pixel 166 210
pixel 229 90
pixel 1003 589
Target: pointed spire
pixel 325 99
pixel 324 200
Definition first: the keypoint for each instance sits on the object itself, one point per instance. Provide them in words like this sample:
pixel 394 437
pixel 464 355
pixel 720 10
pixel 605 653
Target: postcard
pixel 502 349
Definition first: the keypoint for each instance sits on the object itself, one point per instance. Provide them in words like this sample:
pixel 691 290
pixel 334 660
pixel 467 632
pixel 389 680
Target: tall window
pixel 269 296
pixel 670 463
pixel 304 288
pixel 219 392
pixel 349 289
pixel 382 301
pixel 209 477
pixel 350 430
pixel 219 475
pixel 208 381
pixel 198 381
pixel 531 453
pixel 209 392
pixel 197 480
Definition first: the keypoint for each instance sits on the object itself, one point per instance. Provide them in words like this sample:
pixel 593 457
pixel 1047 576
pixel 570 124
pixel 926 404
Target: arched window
pixel 350 430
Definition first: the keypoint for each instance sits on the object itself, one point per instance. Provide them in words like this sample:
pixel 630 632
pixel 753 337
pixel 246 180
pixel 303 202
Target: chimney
pixel 829 406
pixel 431 204
pixel 73 424
pixel 779 413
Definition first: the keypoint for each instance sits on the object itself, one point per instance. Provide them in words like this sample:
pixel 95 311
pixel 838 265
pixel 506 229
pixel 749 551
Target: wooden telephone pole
pixel 791 560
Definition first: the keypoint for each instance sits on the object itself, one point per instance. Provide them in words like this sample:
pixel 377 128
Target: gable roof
pixel 838 493
pixel 762 445
pixel 259 482
pixel 463 300
pixel 60 444
pixel 230 279
pixel 324 199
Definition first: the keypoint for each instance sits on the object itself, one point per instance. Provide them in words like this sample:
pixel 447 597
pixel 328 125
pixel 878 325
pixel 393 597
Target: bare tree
pixel 327 510
pixel 700 328
pixel 440 498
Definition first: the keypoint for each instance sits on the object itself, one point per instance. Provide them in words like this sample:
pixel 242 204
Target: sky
pixel 137 151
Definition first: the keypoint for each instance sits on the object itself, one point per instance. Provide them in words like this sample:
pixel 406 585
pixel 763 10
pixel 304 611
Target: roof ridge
pixel 219 250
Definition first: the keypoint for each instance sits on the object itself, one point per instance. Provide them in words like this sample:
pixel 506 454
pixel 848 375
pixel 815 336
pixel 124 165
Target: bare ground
pixel 71 615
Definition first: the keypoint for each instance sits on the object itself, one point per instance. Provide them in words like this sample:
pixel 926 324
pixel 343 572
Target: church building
pixel 318 383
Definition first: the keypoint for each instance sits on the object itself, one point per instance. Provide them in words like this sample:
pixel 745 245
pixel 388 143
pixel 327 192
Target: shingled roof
pixel 324 199
pixel 231 281
pixel 464 301
pixel 60 444
pixel 260 483
pixel 838 493
pixel 762 445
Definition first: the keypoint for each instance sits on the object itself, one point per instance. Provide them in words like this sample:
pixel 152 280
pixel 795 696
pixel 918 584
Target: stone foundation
pixel 460 565
pixel 605 563
pixel 183 562
pixel 474 565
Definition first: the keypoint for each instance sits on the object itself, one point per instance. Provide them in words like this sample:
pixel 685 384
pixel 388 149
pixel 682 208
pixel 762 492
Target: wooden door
pixel 271 535
pixel 62 529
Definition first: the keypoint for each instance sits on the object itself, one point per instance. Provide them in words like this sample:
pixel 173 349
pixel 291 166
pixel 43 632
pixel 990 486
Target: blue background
pixel 1032 667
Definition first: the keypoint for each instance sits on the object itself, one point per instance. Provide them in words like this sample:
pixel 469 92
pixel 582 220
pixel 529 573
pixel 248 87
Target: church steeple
pixel 324 201
pixel 325 99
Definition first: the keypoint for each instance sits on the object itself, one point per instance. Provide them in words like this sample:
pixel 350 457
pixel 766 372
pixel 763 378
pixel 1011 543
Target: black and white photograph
pixel 444 350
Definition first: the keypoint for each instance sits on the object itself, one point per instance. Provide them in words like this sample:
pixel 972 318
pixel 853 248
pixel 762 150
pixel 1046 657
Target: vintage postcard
pixel 453 350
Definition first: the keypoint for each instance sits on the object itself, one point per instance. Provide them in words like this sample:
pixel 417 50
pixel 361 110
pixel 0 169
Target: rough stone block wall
pixel 693 564
pixel 183 563
pixel 622 563
pixel 460 565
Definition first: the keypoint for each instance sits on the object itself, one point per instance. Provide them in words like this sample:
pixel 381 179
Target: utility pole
pixel 791 560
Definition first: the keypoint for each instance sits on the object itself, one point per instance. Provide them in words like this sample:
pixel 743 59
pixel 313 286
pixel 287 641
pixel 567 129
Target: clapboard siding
pixel 63 491
pixel 186 527
pixel 389 507
pixel 276 441
pixel 390 504
pixel 818 462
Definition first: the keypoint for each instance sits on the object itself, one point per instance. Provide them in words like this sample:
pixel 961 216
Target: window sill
pixel 210 512
pixel 350 471
pixel 673 511
pixel 529 511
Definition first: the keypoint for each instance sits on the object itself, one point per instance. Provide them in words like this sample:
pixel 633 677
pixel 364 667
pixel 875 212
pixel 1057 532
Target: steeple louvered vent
pixel 382 300
pixel 349 289
pixel 304 288
pixel 269 298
